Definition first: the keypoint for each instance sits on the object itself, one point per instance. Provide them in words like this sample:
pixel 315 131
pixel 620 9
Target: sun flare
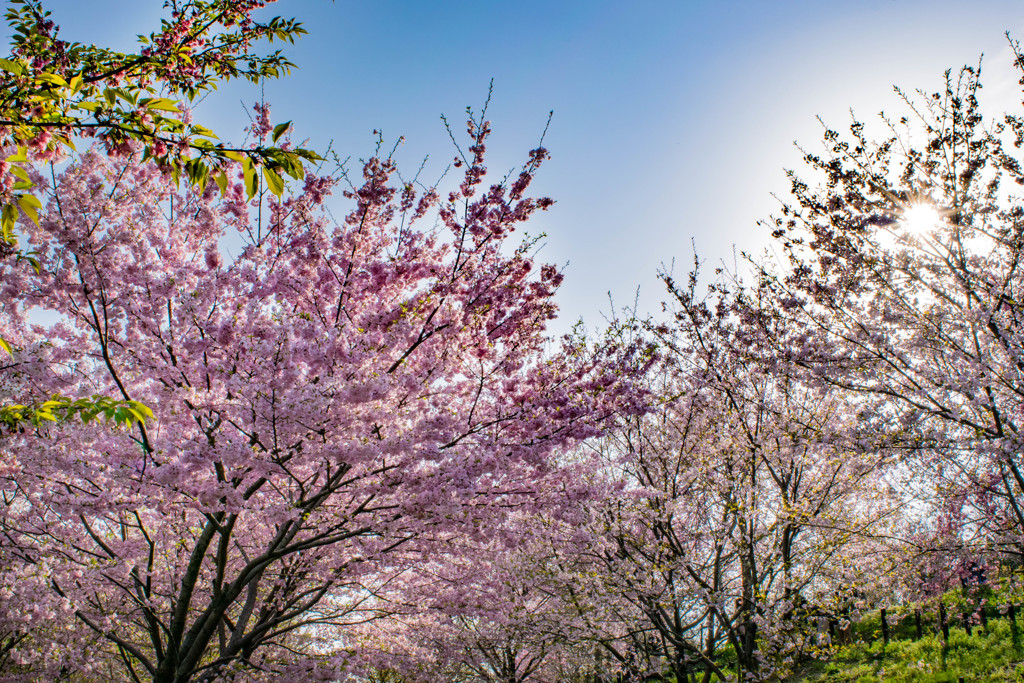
pixel 920 218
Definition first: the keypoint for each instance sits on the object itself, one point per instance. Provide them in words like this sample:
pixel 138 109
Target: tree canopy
pixel 256 442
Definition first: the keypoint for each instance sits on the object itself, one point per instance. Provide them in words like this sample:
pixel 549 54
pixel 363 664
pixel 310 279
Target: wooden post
pixel 1014 634
pixel 917 623
pixel 984 617
pixel 846 633
pixel 966 616
pixel 885 628
pixel 944 624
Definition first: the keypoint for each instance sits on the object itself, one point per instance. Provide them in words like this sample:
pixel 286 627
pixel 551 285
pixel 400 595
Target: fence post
pixel 1014 634
pixel 944 624
pixel 885 628
pixel 917 623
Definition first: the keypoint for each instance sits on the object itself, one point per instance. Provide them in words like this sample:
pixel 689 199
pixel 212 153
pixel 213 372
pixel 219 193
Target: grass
pixel 984 656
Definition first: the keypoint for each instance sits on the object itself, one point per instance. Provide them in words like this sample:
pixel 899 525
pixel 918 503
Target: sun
pixel 920 218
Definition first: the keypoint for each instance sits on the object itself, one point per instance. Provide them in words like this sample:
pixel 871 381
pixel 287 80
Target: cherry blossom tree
pixel 747 508
pixel 329 399
pixel 491 613
pixel 54 91
pixel 901 286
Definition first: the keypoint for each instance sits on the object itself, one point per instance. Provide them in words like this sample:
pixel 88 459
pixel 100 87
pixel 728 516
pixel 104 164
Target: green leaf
pixel 163 104
pixel 8 216
pixel 30 205
pixel 274 180
pixel 128 96
pixel 203 131
pixel 142 408
pixel 250 178
pixel 198 172
pixel 6 346
pixel 306 154
pixel 222 182
pixel 280 129
pixel 53 79
pixel 12 66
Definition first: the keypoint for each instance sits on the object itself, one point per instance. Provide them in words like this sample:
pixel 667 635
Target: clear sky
pixel 673 120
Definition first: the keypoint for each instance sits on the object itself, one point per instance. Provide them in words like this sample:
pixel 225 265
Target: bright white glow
pixel 921 218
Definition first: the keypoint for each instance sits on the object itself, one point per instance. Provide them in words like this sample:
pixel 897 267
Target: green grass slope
pixel 987 655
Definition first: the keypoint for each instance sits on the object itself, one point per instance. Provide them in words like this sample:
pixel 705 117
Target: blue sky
pixel 673 120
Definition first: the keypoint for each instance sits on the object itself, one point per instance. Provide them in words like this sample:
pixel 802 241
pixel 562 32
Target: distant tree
pixel 327 401
pixel 902 285
pixel 484 613
pixel 746 508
